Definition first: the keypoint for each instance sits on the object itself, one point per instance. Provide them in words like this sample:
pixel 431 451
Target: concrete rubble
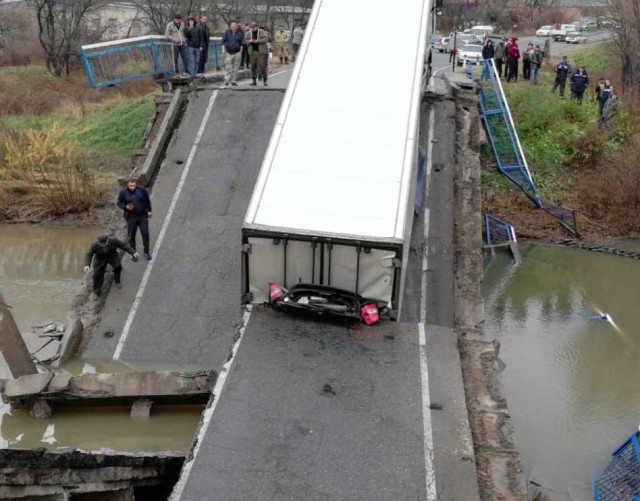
pixel 50 475
pixel 40 391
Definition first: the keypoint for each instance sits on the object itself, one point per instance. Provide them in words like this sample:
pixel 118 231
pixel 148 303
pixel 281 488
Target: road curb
pixel 500 472
pixel 152 162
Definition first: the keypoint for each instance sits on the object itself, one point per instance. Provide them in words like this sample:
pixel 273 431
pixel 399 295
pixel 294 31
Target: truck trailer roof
pixel 342 152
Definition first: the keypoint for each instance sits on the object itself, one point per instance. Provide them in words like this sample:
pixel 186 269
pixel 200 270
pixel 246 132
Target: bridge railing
pixel 621 478
pixel 501 130
pixel 112 63
pixel 498 231
pixel 505 143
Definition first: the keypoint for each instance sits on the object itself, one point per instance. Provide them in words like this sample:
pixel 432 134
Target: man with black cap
pixel 104 251
pixel 136 204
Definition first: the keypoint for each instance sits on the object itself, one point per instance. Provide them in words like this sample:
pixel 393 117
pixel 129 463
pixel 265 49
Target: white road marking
pixel 208 413
pixel 269 76
pixel 163 230
pixel 424 370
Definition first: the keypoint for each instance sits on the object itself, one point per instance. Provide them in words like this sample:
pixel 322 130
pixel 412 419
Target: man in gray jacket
pixel 176 35
pixel 258 48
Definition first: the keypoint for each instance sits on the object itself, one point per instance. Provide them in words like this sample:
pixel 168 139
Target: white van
pixel 482 28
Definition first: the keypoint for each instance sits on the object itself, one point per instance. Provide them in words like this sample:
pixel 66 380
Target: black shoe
pixel 235 84
pixel 134 259
pixel 118 285
pixel 253 83
pixel 148 256
pixel 265 82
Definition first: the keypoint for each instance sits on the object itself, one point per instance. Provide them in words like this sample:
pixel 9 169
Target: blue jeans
pixel 180 51
pixel 194 60
pixel 533 74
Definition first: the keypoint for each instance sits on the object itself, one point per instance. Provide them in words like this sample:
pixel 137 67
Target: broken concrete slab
pixel 122 388
pixel 70 340
pixel 12 344
pixel 27 386
pixel 141 408
pixel 60 381
pixel 41 409
pixel 29 473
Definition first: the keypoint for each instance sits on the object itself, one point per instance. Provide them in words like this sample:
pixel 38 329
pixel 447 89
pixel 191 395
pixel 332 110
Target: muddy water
pixel 41 270
pixel 93 429
pixel 573 384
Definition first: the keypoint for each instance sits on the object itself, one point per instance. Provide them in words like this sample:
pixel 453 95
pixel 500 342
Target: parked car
pixel 469 52
pixel 545 46
pixel 435 39
pixel 575 38
pixel 496 38
pixel 442 44
pixel 588 26
pixel 544 31
pixel 460 39
pixel 559 33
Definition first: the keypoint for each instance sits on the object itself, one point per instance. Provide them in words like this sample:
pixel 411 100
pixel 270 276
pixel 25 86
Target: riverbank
pixel 63 146
pixel 574 162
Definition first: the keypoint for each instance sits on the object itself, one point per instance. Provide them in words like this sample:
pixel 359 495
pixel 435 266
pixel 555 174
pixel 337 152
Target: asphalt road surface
pixel 303 410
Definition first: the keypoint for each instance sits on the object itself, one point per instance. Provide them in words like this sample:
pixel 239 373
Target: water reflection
pixel 571 383
pixel 170 428
pixel 41 269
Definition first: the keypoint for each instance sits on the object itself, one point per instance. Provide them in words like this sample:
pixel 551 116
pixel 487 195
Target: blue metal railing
pixel 498 231
pixel 505 144
pixel 501 130
pixel 112 63
pixel 620 481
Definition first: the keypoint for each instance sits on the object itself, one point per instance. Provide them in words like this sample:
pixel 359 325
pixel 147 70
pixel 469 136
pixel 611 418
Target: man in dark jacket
pixel 563 69
pixel 104 251
pixel 232 43
pixel 203 35
pixel 498 55
pixel 257 46
pixel 134 201
pixel 579 83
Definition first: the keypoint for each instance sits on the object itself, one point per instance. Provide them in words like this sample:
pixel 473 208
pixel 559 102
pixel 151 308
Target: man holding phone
pixel 136 205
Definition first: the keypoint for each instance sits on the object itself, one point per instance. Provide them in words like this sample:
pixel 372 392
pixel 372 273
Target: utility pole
pixel 12 344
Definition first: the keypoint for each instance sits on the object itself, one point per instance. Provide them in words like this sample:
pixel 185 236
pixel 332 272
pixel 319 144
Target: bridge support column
pixel 12 345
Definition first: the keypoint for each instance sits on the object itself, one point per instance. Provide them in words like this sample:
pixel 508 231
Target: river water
pixel 40 273
pixel 41 270
pixel 571 382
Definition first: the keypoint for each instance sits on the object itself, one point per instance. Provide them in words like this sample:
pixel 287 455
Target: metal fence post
pixel 156 60
pixel 216 50
pixel 87 68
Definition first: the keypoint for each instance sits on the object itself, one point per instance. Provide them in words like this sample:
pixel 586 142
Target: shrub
pixel 44 175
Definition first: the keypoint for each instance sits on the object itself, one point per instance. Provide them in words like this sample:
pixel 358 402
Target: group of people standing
pixel 190 43
pixel 604 92
pixel 243 47
pixel 507 57
pixel 249 47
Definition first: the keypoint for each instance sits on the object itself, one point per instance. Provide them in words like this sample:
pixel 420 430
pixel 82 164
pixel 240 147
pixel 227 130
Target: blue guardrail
pixel 620 481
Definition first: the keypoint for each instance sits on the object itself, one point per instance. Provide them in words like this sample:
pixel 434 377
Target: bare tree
pixel 61 26
pixel 625 27
pixel 235 10
pixel 158 14
pixel 290 14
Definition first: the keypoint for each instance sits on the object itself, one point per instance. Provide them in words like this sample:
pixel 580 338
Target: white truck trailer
pixel 333 203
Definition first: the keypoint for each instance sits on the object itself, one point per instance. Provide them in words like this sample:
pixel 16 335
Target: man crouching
pixel 104 251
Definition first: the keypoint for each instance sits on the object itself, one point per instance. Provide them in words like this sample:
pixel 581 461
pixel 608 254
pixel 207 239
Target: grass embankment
pixel 573 161
pixel 62 145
